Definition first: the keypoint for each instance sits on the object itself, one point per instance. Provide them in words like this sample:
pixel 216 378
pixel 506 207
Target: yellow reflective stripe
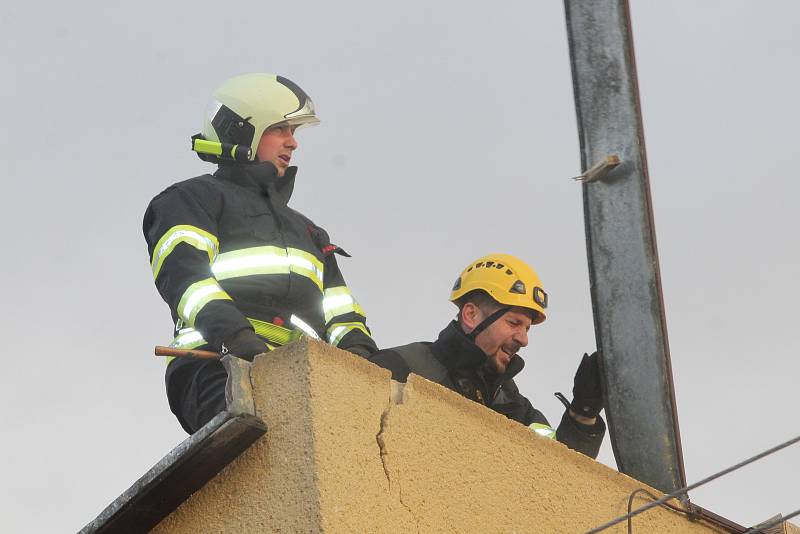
pixel 198 295
pixel 187 338
pixel 276 334
pixel 267 260
pixel 543 430
pixel 303 326
pixel 184 233
pixel 338 301
pixel 305 264
pixel 338 330
pixel 247 261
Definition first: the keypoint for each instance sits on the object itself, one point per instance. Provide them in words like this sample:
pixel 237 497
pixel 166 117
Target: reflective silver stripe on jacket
pixel 184 233
pixel 197 296
pixel 268 260
pixel 339 301
pixel 189 338
pixel 338 330
pixel 543 430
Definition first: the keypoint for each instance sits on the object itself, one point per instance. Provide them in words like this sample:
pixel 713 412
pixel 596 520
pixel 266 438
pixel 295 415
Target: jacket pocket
pixel 259 220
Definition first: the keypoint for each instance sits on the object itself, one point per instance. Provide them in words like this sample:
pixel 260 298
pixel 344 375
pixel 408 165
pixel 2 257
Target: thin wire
pixel 777 521
pixel 665 505
pixel 685 489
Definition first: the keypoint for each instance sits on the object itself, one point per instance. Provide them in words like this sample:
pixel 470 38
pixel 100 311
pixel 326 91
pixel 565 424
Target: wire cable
pixel 685 489
pixel 632 496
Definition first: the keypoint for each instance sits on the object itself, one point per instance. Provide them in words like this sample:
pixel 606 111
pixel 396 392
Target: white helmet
pixel 245 106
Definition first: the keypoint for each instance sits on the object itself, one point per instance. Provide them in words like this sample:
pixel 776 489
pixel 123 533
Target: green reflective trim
pixel 268 260
pixel 543 430
pixel 183 233
pixel 338 330
pixel 276 334
pixel 187 338
pixel 197 296
pixel 305 264
pixel 339 301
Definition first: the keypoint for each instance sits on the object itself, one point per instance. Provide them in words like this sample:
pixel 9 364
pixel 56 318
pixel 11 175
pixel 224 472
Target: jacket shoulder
pixel 405 359
pixel 421 361
pixel 199 185
pixel 204 190
pixel 513 404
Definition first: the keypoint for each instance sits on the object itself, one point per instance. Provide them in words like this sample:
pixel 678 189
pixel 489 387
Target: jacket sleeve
pixel 181 235
pixel 579 437
pixel 391 360
pixel 585 439
pixel 345 320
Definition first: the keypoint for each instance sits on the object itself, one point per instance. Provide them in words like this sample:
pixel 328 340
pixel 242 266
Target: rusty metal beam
pixel 623 261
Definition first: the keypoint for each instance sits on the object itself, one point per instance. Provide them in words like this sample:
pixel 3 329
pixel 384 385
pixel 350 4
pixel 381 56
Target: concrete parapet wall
pixel 348 450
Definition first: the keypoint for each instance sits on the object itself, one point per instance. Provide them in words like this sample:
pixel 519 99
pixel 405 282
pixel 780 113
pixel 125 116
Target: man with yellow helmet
pixel 241 271
pixel 499 297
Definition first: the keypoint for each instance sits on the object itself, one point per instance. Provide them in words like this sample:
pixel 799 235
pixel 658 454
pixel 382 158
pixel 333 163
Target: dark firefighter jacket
pixel 455 362
pixel 227 253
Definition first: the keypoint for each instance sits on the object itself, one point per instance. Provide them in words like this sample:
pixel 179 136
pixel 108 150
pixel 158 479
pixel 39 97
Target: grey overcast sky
pixel 448 131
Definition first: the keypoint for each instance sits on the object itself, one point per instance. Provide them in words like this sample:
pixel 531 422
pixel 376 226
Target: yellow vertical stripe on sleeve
pixel 339 301
pixel 184 233
pixel 338 330
pixel 197 296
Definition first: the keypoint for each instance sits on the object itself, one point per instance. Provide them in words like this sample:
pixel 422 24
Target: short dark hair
pixel 485 303
pixel 479 298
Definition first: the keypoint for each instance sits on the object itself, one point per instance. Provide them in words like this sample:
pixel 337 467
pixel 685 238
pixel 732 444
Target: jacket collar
pixel 261 178
pixel 457 352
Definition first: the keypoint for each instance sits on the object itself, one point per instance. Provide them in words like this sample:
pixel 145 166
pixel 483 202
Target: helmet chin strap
pixel 486 323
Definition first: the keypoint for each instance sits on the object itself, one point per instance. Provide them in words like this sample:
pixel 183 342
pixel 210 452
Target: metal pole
pixel 628 307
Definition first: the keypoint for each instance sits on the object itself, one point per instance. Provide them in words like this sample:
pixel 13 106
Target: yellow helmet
pixel 507 279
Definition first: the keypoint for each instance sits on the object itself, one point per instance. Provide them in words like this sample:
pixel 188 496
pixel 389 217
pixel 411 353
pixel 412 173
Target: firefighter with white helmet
pixel 499 298
pixel 241 271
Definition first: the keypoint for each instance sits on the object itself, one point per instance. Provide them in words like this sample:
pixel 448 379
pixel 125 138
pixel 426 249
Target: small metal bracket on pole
pixel 599 170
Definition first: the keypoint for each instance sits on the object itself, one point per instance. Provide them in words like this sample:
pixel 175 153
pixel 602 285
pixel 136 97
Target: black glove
pixel 587 395
pixel 244 344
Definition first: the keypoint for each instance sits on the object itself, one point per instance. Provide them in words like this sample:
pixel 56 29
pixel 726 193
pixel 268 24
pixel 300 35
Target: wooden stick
pixel 599 170
pixel 184 353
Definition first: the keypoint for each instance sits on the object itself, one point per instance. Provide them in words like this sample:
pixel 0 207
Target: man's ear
pixel 470 316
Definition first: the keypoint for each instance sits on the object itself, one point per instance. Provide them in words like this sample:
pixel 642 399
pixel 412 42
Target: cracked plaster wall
pixel 347 450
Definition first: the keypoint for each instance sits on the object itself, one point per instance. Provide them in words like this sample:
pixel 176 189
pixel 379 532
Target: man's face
pixel 503 339
pixel 276 145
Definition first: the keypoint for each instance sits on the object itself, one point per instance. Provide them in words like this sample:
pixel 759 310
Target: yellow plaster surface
pixel 341 456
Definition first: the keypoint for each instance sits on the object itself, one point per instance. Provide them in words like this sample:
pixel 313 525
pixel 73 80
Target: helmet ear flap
pixel 231 128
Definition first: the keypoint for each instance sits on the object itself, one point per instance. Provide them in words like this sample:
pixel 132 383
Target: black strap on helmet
pixel 486 323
